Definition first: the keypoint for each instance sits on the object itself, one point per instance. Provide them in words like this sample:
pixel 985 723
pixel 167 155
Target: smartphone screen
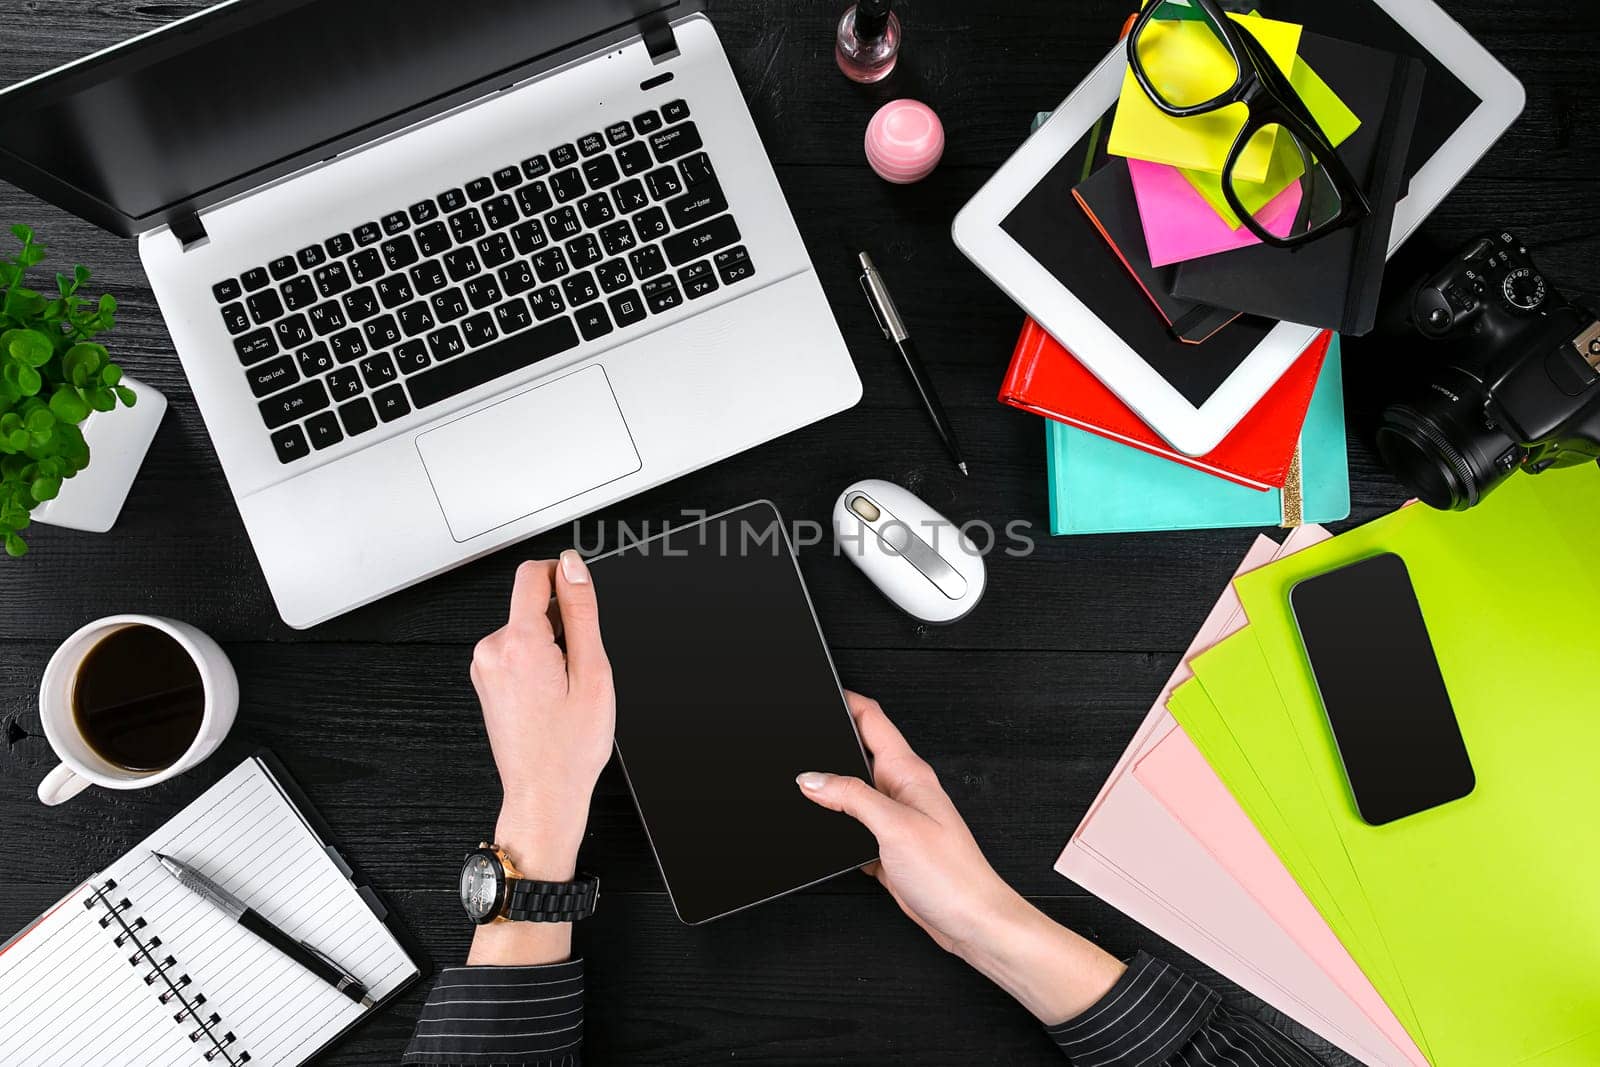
pixel 1385 699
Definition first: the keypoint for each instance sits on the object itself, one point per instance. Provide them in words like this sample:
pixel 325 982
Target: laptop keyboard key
pixel 311 256
pixel 226 290
pixel 535 167
pixel 382 332
pixel 647 262
pixel 675 110
pixel 255 279
pixel 651 224
pixel 361 304
pixel 600 172
pixel 634 158
pixel 428 277
pixel 348 345
pixel 449 305
pixel 567 185
pixel 675 141
pixel 482 292
pixel 513 316
pixel 479 330
pixel 325 318
pixel 495 251
pixel 500 212
pixel 446 343
pixel 334 279
pixel 580 289
pixel 630 196
pixel 593 321
pixel 529 236
pixel 697 170
pixel 647 122
pixel 300 293
pixel 733 265
pixel 265 306
pixel 550 264
pixel 467 226
pixel 591 143
pixel 394 291
pixel 707 237
pixel 315 360
pixel 480 189
pixel 400 253
pixel 698 279
pixel 512 354
pixel 619 132
pixel 396 222
pixel 368 233
pixel 563 155
pixel 290 444
pixel 563 223
pixel 535 199
pixel 283 267
pixel 378 371
pixel 340 245
pixel 661 294
pixel 267 378
pixel 452 200
pixel 613 275
pixel 391 403
pixel 583 250
pixel 618 238
pixel 307 398
pixel 507 178
pixel 546 302
pixel 366 266
pixel 596 210
pixel 357 417
pixel 412 357
pixel 255 346
pixel 701 202
pixel 627 308
pixel 517 278
pixel 424 211
pixel 324 430
pixel 416 319
pixel 462 264
pixel 664 183
pixel 345 383
pixel 434 239
pixel 294 332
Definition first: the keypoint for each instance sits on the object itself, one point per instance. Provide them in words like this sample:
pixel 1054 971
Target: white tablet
pixel 1193 396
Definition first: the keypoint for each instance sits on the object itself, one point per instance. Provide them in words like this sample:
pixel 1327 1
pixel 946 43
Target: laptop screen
pixel 255 89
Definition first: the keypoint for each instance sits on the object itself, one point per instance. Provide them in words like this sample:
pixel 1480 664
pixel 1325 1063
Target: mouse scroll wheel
pixel 865 508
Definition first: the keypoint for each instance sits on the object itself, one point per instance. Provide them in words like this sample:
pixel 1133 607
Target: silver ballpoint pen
pixel 311 959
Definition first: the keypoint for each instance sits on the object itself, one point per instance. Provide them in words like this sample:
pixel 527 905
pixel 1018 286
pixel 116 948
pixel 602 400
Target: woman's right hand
pixel 933 868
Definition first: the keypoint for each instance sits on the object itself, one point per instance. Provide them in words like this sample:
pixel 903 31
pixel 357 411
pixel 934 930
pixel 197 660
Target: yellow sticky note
pixel 1202 142
pixel 1336 120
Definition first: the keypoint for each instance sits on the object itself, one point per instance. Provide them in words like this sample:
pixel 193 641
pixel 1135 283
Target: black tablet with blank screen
pixel 726 692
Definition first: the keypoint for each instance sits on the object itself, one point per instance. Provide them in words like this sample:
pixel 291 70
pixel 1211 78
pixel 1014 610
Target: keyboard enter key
pixel 702 202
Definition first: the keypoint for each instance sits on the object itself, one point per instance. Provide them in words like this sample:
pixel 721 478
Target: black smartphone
pixel 1379 680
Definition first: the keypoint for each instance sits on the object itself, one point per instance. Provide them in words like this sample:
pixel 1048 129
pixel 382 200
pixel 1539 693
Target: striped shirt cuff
pixel 517 1016
pixel 1148 1016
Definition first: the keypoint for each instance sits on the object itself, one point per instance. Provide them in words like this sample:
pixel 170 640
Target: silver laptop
pixel 443 277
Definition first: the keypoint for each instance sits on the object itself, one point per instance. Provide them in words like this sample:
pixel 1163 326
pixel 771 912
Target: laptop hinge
pixel 658 37
pixel 189 230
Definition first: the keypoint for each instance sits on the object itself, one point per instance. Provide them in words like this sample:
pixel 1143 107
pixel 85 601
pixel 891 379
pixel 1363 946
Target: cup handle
pixel 61 785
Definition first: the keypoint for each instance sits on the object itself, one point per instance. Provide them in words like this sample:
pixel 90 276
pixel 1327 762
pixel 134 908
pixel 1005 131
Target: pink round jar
pixel 905 141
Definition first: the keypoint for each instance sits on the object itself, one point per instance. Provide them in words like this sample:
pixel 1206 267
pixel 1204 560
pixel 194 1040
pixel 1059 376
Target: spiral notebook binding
pixel 160 971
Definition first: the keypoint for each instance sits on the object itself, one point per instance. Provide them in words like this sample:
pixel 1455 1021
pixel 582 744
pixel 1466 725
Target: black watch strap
pixel 552 902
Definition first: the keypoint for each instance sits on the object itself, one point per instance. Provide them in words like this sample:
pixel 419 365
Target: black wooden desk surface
pixel 1022 708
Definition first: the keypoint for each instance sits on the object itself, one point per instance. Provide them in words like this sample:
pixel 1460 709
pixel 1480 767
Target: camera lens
pixel 1444 450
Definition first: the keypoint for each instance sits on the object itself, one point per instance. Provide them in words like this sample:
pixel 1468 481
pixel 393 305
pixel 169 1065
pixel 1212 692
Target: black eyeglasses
pixel 1322 196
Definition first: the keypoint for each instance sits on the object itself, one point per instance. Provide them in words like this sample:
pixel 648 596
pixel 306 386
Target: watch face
pixel 481 879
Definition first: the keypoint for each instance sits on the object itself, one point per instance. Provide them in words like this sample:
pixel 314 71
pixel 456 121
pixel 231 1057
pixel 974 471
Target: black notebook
pixel 132 968
pixel 1334 281
pixel 1107 197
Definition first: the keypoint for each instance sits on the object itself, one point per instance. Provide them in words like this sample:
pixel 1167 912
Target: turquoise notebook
pixel 1100 486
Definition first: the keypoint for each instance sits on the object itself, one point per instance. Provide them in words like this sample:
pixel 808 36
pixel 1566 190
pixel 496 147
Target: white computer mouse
pixel 916 557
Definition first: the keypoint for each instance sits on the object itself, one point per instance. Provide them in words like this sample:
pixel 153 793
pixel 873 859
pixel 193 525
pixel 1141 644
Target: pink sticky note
pixel 1178 223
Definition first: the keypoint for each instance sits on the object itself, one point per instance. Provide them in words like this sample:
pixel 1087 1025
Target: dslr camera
pixel 1514 383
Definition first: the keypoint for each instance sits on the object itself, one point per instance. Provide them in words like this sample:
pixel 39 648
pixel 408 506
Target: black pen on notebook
pixel 252 920
pixel 894 328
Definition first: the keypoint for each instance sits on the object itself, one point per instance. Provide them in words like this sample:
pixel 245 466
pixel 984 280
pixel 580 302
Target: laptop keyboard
pixel 480 281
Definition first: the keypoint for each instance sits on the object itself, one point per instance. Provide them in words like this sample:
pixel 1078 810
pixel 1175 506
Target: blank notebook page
pixel 70 993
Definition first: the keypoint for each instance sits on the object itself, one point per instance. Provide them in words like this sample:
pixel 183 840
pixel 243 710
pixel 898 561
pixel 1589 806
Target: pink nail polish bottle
pixel 868 41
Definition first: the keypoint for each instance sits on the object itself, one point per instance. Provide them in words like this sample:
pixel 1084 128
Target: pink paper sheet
pixel 1132 852
pixel 1178 223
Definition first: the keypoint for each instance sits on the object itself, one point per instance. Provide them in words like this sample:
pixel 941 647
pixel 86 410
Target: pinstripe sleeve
pixel 1157 1015
pixel 504 1017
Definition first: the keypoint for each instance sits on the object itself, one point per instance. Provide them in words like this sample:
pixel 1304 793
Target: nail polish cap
pixel 872 18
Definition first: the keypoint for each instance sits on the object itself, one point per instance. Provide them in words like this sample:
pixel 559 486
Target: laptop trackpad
pixel 527 453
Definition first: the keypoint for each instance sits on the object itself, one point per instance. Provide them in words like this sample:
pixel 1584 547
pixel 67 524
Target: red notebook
pixel 1045 379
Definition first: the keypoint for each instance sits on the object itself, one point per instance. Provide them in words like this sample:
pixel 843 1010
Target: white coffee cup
pixel 81 766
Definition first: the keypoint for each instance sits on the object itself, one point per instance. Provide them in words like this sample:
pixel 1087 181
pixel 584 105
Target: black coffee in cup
pixel 138 699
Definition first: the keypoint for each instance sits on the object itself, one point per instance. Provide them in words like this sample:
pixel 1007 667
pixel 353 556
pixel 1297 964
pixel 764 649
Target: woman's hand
pixel 934 869
pixel 550 715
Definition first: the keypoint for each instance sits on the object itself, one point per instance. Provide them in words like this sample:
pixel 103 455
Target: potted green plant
pixel 59 405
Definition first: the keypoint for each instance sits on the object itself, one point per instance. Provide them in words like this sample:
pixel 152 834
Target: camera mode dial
pixel 1524 289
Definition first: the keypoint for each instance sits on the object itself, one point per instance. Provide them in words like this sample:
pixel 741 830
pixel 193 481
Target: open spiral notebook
pixel 130 968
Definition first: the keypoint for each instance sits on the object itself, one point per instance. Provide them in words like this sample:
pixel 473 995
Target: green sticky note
pixel 1187 53
pixel 1478 920
pixel 1336 120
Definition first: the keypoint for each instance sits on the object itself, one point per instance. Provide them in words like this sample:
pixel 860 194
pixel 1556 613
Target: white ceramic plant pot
pixel 118 440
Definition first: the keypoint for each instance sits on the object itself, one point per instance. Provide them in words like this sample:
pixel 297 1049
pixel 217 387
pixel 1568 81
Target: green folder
pixel 1478 921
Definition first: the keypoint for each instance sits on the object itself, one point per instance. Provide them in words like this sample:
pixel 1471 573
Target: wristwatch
pixel 493 890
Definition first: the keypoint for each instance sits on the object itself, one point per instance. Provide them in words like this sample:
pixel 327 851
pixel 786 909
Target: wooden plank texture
pixel 1023 708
